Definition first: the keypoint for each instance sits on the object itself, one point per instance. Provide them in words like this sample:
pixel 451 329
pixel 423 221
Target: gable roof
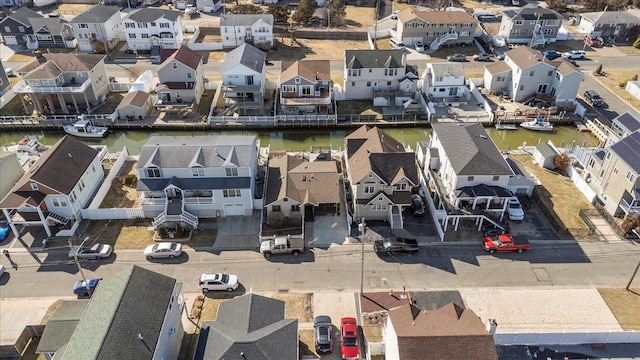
pixel 470 150
pixel 315 182
pixel 545 149
pixel 244 19
pixel 66 62
pixel 253 325
pixel 311 70
pixel 524 57
pixel 563 67
pixel 52 26
pixel 611 17
pixel 61 325
pixel 132 302
pixel 628 121
pixel 23 15
pixel 247 55
pixel 358 59
pixel 497 67
pixel 628 150
pixel 532 13
pixel 135 98
pixel 447 69
pixel 147 15
pixel 186 56
pixel 97 14
pixel 436 16
pixel 48 70
pixel 450 332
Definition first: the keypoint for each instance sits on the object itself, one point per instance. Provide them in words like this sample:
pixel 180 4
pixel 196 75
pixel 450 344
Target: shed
pixel 136 105
pixel 544 154
pixel 633 88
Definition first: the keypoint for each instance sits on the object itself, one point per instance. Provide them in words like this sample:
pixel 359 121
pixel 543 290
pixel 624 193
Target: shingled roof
pixel 147 15
pixel 311 70
pixel 23 15
pixel 66 62
pixel 97 14
pixel 358 59
pixel 246 55
pixel 436 16
pixel 184 55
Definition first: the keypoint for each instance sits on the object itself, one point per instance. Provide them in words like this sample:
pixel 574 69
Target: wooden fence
pixel 12 352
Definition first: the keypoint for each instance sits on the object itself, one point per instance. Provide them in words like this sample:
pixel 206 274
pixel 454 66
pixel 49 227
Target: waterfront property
pixel 148 28
pixel 244 81
pixel 610 25
pixel 181 80
pixel 444 83
pixel 623 126
pixel 254 29
pixel 533 26
pixel 183 178
pixel 382 174
pixel 435 28
pixel 306 88
pixel 97 28
pixel 56 188
pixel 63 83
pixel 136 105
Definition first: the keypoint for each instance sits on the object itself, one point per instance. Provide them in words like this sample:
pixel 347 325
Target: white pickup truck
pixel 282 245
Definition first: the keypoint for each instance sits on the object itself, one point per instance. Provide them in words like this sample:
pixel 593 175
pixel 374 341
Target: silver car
pixel 457 57
pixel 96 251
pixel 163 250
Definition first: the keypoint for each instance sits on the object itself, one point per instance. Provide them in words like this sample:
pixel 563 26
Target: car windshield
pixel 173 246
pixel 224 278
pixel 514 205
pixel 350 341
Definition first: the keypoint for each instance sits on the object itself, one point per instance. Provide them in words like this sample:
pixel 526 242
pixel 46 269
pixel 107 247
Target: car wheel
pixel 519 251
pixel 149 257
pixel 205 290
pixel 172 256
pixel 296 252
pixel 492 251
pixel 98 257
pixel 267 254
pixel 229 289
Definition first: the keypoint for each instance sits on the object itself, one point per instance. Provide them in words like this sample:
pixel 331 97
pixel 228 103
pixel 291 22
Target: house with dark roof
pixel 306 88
pixel 380 75
pixel 249 327
pixel 136 105
pixel 150 28
pixel 525 73
pixel 534 26
pixel 435 28
pixel 27 27
pixel 382 174
pixel 622 126
pixel 181 80
pixel 244 81
pixel 97 28
pixel 135 314
pixel 448 333
pixel 59 83
pixel 610 25
pixel 254 29
pixel 183 178
pixel 16 29
pixel 614 174
pixel 56 188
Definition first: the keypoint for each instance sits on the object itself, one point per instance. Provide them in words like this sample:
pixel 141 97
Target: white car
pixel 515 209
pixel 1 270
pixel 394 15
pixel 163 250
pixel 96 251
pixel 419 46
pixel 575 55
pixel 218 282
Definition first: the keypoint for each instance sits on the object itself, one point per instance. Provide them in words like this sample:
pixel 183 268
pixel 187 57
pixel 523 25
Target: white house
pixel 244 80
pixel 183 178
pixel 534 26
pixel 208 6
pixel 445 82
pixel 237 29
pixel 98 24
pixel 149 27
pixel 58 186
pixel 181 79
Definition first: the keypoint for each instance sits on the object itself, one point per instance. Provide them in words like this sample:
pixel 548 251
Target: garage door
pixel 233 210
pixel 10 40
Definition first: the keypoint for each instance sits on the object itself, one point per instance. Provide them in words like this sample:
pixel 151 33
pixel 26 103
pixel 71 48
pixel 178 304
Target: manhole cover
pixel 541 274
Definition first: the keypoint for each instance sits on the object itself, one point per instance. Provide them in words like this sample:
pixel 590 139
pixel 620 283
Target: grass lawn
pixel 121 234
pixel 383 44
pixel 121 195
pixel 372 333
pixel 109 106
pixel 616 76
pixel 629 50
pixel 445 51
pixel 205 102
pixel 563 197
pixel 359 16
pixel 297 305
pixel 20 57
pixel 625 306
pixel 210 309
pixel 310 49
pixel 362 107
pixel 307 343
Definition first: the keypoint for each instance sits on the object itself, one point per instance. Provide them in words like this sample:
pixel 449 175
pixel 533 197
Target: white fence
pixel 119 87
pixel 476 94
pixel 106 185
pixel 202 46
pixel 111 214
pixel 568 338
pixel 581 184
pixel 6 97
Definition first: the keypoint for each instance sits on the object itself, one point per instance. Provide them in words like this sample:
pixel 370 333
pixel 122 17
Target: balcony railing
pixel 152 200
pixel 200 200
pixel 306 101
pixel 242 88
pixel 23 88
pixel 628 208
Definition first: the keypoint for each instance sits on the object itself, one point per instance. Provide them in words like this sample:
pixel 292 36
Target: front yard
pixel 613 80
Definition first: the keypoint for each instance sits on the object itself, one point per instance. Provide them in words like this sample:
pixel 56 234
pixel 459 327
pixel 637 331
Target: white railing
pixel 23 88
pixel 152 200
pixel 185 217
pixel 198 200
pixel 435 44
pixel 538 39
pixel 119 87
pixel 292 101
pixel 113 213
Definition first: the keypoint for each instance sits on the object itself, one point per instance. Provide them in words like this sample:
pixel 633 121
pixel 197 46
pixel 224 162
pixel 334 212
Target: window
pixel 289 88
pixel 496 178
pixel 132 36
pixel 353 83
pixel 164 25
pixel 34 186
pixel 401 187
pixel 615 171
pixel 353 72
pixel 276 208
pixel 175 65
pixel 21 29
pixel 306 90
pixel 153 24
pixel 369 189
pixel 500 78
pixel 188 75
pixel 7 29
pixel 59 202
pixel 601 174
pixel 608 156
pixel 295 208
pixel 81 185
pixel 470 178
pixel 519 22
pixel 531 73
pixel 83 26
pixel 153 173
pixel 550 73
pixel 516 32
pixel 379 207
pixel 630 176
pixel 231 193
pixel 553 22
pixel 129 25
pixel 231 171
pixel 142 25
pixel 465 33
pixel 368 83
pixel 591 163
pixel 198 171
pixel 521 87
pixel 145 36
pixel 72 196
pixel 297 81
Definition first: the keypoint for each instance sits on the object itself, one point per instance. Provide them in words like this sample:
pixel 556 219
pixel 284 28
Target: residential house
pixel 305 87
pixel 136 105
pixel 544 155
pixel 26 27
pixel 382 173
pixel 135 314
pixel 150 27
pixel 244 80
pixel 97 28
pixel 249 327
pixel 181 79
pixel 16 29
pixel 534 26
pixel 614 174
pixel 11 171
pixel 435 28
pixel 5 84
pixel 299 188
pixel 63 83
pixel 444 83
pixel 633 88
pixel 449 333
pixel 208 6
pixel 183 178
pixel 610 25
pixel 254 29
pixel 531 75
pixel 623 126
pixel 56 188
pixel 381 75
pixel 12 3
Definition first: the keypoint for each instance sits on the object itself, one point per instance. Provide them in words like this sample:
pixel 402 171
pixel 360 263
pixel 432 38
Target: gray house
pixel 305 87
pixel 16 29
pixel 51 32
pixel 249 327
pixel 97 28
pixel 435 28
pixel 181 78
pixel 544 154
pixel 244 81
pixel 534 26
pixel 610 25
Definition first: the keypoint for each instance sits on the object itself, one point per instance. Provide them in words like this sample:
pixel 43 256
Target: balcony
pixel 242 88
pixel 23 88
pixel 302 101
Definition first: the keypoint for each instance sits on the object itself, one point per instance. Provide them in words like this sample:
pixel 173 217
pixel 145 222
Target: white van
pixel 396 44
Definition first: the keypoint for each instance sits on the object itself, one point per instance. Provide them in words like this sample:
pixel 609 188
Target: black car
pixel 323 334
pixel 417 205
pixel 395 245
pixel 593 98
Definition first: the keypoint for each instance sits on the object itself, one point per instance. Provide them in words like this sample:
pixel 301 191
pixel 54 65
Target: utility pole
pixel 361 230
pixel 75 259
pixel 633 276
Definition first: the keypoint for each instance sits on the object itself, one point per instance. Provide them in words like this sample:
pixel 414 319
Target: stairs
pixel 396 219
pixel 435 44
pixel 538 38
pixel 175 212
pixel 57 218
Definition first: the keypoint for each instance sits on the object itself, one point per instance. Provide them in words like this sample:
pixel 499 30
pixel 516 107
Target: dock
pixel 581 126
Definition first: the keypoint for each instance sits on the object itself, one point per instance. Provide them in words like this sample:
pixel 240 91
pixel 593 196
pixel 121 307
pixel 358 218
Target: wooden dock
pixel 581 126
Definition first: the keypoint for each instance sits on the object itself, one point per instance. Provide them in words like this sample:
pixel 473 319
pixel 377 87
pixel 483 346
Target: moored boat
pixel 28 146
pixel 83 128
pixel 537 124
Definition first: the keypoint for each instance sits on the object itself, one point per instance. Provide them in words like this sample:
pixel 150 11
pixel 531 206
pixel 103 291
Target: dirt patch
pixel 210 309
pixel 358 17
pixel 298 306
pixel 625 306
pixel 120 194
pixel 307 343
pixel 612 81
pixel 50 312
pixel 313 49
pixel 20 58
pixel 121 234
pixel 372 333
pixel 628 49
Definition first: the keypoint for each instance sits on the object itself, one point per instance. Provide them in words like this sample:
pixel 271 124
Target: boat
pixel 83 128
pixel 44 3
pixel 28 147
pixel 500 126
pixel 499 41
pixel 537 124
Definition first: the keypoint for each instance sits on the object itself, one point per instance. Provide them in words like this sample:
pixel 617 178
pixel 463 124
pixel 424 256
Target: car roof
pixel 322 319
pixel 214 276
pixel 165 245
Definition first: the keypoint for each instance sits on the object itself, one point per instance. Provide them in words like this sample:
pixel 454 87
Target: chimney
pixel 492 325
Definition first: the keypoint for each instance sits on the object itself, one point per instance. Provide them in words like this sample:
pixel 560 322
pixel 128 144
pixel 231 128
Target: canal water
pixel 300 140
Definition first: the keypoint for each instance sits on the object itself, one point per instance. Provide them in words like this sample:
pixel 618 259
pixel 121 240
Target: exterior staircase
pixel 435 44
pixel 538 38
pixel 396 219
pixel 174 212
pixel 57 218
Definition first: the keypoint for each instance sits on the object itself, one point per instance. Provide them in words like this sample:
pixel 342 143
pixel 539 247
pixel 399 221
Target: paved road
pixel 564 264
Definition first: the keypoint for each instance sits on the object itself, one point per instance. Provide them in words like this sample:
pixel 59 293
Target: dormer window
pixel 297 80
pixel 153 173
pixel 198 171
pixel 231 171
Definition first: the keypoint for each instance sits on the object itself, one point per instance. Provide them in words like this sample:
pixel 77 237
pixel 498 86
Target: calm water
pixel 298 140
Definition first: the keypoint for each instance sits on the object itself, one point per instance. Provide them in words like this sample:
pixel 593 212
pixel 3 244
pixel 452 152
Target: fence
pixel 106 185
pixel 119 87
pixel 331 34
pixel 112 214
pixel 11 352
pixel 582 185
pixel 479 98
pixel 585 233
pixel 568 338
pixel 202 46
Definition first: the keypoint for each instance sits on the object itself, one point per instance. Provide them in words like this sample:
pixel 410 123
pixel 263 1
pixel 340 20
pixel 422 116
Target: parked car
pixel 80 287
pixel 4 229
pixel 551 54
pixel 349 348
pixel 323 334
pixel 394 15
pixel 515 209
pixel 417 205
pixel 575 54
pixel 96 251
pixel 592 41
pixel 482 57
pixel 218 282
pixel 163 250
pixel 419 46
pixel 396 44
pixel 457 57
pixel 395 245
pixel 593 98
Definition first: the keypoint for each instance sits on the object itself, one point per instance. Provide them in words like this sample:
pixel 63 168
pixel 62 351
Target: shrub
pixel 622 84
pixel 598 70
pixel 636 44
pixel 179 231
pixel 634 78
pixel 561 161
pixel 629 223
pixel 130 179
pixel 162 232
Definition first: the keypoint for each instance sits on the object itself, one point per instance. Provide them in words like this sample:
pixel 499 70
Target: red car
pixel 349 339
